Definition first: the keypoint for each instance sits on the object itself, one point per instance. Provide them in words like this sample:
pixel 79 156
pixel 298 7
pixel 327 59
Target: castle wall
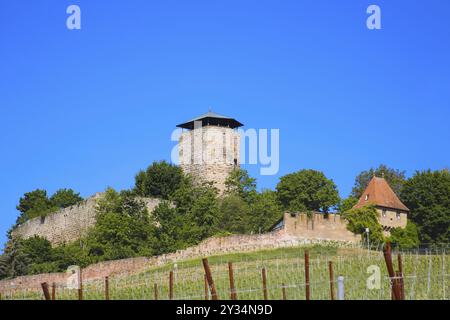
pixel 318 227
pixel 68 224
pixel 210 153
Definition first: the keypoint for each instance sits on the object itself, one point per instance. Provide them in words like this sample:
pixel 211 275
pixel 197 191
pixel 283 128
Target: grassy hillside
pixel 426 276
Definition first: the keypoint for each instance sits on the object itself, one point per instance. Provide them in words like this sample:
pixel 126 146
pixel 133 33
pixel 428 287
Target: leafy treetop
pixel 160 180
pixel 394 177
pixel 307 190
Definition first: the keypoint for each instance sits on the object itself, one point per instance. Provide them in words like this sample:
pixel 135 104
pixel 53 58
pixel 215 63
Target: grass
pixel 426 276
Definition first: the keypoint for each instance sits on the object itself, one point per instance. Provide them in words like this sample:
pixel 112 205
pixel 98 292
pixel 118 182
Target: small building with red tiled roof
pixel 392 212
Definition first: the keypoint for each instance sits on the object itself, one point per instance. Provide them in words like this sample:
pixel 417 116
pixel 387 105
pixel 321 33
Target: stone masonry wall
pixel 286 237
pixel 68 224
pixel 210 153
pixel 318 227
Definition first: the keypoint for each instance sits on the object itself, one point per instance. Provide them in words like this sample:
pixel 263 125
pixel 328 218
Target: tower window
pixel 383 213
pixel 398 215
pixel 367 197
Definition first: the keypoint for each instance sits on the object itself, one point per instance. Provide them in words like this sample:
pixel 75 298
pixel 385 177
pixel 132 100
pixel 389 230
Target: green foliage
pixel 406 238
pixel 239 182
pixel 307 190
pixel 265 210
pixel 75 253
pixel 234 214
pixel 366 217
pixel 34 204
pixel 394 177
pixel 123 228
pixel 191 216
pixel 36 249
pixel 427 195
pixel 160 180
pixel 14 261
pixel 21 257
pixel 171 228
pixel 204 213
pixel 4 266
pixel 347 204
pixel 64 198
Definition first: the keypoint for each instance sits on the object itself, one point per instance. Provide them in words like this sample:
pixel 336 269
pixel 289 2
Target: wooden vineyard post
pixel 155 289
pixel 233 294
pixel 330 268
pixel 44 286
pixel 209 277
pixel 53 291
pixel 264 283
pixel 206 288
pixel 390 268
pixel 171 285
pixel 283 291
pixel 307 288
pixel 106 288
pixel 399 284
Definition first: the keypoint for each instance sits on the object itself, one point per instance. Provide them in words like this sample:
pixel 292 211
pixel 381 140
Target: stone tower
pixel 209 148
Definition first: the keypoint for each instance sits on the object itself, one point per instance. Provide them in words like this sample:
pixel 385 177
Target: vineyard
pixel 276 274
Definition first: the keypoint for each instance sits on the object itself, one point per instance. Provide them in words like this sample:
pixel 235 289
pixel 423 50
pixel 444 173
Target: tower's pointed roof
pixel 378 192
pixel 211 118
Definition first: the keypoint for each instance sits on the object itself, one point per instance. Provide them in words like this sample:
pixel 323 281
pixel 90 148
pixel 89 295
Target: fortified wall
pixel 318 226
pixel 68 224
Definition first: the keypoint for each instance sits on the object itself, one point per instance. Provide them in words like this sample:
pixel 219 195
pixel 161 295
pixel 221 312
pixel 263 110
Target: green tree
pixel 204 212
pixel 39 255
pixel 405 238
pixel 64 198
pixel 123 228
pixel 234 214
pixel 34 204
pixel 427 195
pixel 307 190
pixel 265 210
pixel 365 217
pixel 171 228
pixel 37 249
pixel 191 215
pixel 394 177
pixel 4 266
pixel 160 180
pixel 239 182
pixel 347 204
pixel 22 255
pixel 14 260
pixel 72 254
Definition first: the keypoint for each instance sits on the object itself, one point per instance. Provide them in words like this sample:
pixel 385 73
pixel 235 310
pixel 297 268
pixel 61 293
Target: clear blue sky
pixel 88 108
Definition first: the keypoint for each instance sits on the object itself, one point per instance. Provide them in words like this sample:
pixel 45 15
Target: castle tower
pixel 209 148
pixel 392 212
